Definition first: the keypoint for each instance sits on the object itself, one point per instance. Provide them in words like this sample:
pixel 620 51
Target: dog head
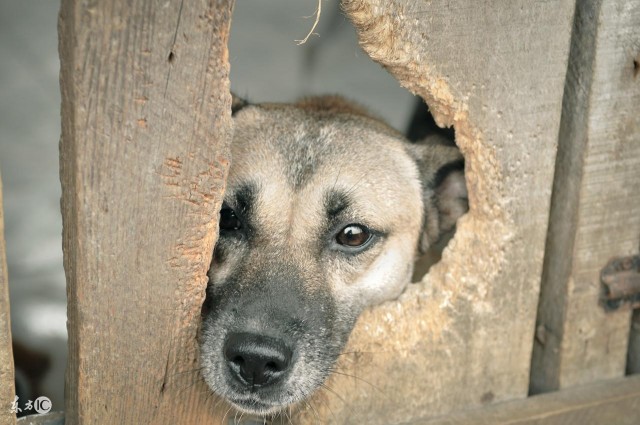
pixel 324 213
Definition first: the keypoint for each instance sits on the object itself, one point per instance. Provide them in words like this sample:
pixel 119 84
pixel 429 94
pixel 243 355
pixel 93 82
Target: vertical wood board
pixel 595 213
pixel 463 337
pixel 7 383
pixel 143 154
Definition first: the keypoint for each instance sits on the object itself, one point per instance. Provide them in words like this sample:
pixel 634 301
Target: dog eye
pixel 354 235
pixel 229 220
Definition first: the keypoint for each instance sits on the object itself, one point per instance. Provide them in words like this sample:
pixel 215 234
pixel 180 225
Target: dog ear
pixel 444 190
pixel 237 103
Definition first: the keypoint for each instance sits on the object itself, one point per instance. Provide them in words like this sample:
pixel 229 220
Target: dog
pixel 325 211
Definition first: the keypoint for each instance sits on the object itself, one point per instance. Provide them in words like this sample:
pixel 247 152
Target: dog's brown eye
pixel 353 235
pixel 229 220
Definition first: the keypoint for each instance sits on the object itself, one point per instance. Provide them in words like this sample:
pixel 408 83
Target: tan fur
pixel 353 154
pixel 294 157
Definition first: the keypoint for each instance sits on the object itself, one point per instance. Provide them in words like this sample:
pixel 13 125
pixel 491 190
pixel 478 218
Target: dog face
pixel 324 212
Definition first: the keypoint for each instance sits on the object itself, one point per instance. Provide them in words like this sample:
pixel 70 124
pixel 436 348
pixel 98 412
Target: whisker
pixel 335 182
pixel 218 402
pixel 328 406
pixel 313 410
pixel 362 352
pixel 197 381
pixel 355 185
pixel 182 390
pixel 184 372
pixel 225 415
pixel 328 388
pixel 289 414
pixel 358 378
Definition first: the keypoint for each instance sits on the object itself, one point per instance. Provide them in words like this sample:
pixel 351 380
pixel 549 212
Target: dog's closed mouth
pixel 253 405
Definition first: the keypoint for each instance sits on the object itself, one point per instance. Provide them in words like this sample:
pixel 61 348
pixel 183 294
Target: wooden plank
pixel 613 402
pixel 463 336
pixel 7 383
pixel 596 202
pixel 144 154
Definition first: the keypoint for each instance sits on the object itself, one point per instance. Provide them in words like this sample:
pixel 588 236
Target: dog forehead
pixel 296 160
pixel 292 143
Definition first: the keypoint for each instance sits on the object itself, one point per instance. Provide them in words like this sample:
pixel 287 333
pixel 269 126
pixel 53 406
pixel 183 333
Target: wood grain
pixel 595 212
pixel 7 383
pixel 462 338
pixel 610 402
pixel 144 155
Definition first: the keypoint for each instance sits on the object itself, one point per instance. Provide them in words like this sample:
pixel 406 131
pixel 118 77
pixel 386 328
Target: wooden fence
pixel 545 100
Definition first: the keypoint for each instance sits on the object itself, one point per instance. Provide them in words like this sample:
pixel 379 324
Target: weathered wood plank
pixel 463 336
pixel 595 212
pixel 7 383
pixel 605 403
pixel 144 154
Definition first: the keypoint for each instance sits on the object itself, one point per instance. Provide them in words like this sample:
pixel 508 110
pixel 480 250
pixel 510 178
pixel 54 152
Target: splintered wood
pixel 463 337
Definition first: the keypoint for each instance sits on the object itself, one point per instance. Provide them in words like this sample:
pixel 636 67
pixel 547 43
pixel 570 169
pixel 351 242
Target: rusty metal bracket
pixel 621 283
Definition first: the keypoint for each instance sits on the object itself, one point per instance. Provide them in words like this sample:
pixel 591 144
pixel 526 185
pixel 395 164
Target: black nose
pixel 256 360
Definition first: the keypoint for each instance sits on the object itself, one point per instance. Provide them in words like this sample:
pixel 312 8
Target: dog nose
pixel 256 360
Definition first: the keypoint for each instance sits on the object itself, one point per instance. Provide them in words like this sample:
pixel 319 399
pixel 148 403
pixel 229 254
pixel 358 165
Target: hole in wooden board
pixel 254 88
pixel 321 67
pixel 421 126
